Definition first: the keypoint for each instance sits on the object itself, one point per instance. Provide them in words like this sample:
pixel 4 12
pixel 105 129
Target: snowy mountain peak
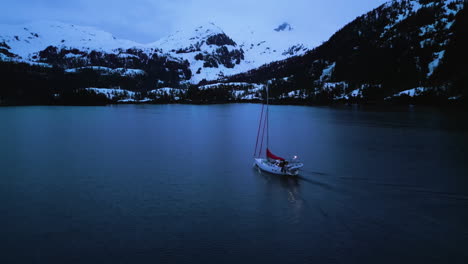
pixel 284 27
pixel 209 29
pixel 208 33
pixel 34 37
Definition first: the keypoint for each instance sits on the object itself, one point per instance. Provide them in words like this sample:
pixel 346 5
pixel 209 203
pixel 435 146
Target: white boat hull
pixel 291 169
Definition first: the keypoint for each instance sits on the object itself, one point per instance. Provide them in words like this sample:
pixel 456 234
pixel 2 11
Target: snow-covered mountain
pixel 27 40
pixel 403 48
pixel 210 53
pixel 213 54
pixel 398 48
pixel 265 46
pixel 203 53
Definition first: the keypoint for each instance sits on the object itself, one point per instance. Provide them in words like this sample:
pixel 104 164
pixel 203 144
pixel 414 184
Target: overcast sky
pixel 148 20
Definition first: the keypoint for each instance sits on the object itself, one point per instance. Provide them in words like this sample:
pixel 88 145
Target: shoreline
pixel 459 105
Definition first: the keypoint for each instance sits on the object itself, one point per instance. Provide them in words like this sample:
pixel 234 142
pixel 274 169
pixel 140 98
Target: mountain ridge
pixel 209 51
pixel 398 46
pixel 398 51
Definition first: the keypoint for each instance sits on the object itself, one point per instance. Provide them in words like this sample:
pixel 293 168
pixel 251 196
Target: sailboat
pixel 272 163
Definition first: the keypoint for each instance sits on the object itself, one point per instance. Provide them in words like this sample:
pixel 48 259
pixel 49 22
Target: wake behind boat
pixel 272 163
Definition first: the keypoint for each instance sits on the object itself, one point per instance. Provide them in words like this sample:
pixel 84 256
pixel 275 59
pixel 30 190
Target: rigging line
pixel 267 119
pixel 263 135
pixel 258 132
pixel 267 129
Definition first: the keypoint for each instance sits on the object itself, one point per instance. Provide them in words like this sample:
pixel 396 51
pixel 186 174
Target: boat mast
pixel 267 118
pixel 263 126
pixel 258 133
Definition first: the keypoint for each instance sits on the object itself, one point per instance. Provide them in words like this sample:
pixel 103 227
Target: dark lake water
pixel 175 183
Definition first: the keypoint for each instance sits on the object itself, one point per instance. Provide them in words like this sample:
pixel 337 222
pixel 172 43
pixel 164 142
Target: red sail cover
pixel 272 156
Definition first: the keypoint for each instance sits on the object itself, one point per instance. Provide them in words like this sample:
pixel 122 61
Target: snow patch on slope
pixel 107 70
pixel 175 93
pixel 112 93
pixel 410 92
pixel 239 90
pixel 435 63
pixel 327 72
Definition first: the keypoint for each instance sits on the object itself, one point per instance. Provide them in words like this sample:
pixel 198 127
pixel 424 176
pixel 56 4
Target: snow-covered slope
pixel 25 40
pixel 265 46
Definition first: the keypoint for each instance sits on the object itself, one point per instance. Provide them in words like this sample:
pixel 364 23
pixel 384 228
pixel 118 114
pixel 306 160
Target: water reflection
pixel 290 184
pixel 292 188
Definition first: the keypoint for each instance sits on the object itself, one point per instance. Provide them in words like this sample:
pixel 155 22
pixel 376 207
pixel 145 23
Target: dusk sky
pixel 148 20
